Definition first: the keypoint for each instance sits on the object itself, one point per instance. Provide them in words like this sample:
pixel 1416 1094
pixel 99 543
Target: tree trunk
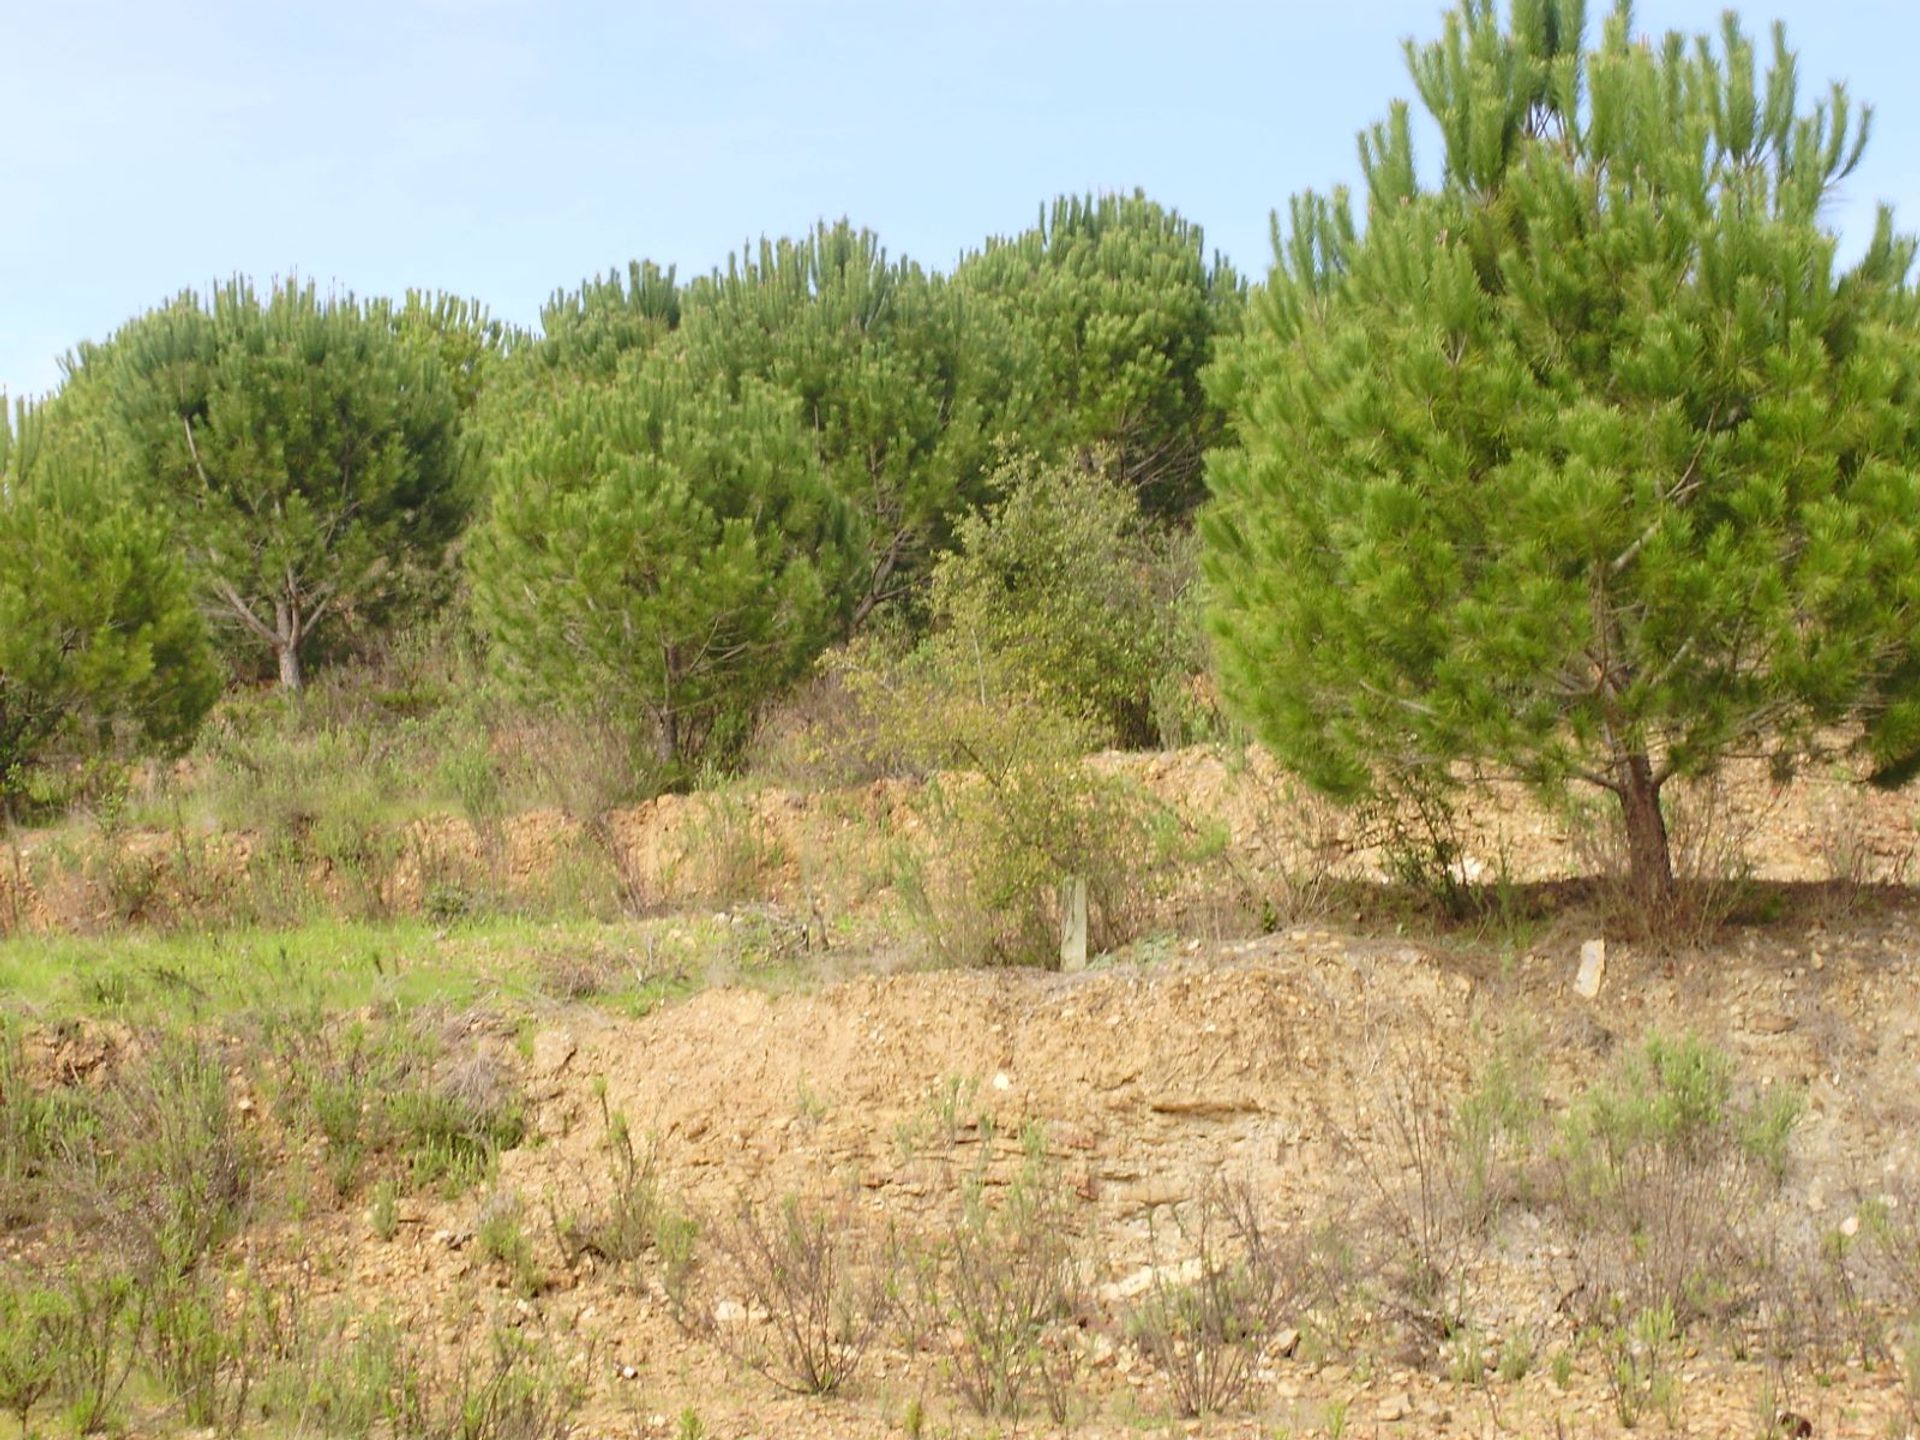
pixel 1649 854
pixel 286 645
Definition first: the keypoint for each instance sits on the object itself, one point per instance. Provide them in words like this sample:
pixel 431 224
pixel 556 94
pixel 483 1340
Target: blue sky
pixel 505 148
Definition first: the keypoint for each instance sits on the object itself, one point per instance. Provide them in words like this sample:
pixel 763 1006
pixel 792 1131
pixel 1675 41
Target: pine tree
pixel 1587 458
pixel 1111 311
pixel 661 553
pixel 101 648
pixel 307 450
pixel 887 370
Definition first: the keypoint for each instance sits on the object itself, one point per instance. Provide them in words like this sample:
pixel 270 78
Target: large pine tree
pixel 1584 457
pixel 306 448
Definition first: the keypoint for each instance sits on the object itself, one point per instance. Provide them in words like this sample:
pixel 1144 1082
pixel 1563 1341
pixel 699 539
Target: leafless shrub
pixel 1427 1211
pixel 1006 1293
pixel 798 1294
pixel 1206 1322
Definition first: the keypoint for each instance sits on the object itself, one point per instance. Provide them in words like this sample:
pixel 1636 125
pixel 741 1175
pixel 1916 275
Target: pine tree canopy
pixel 1585 458
pixel 1112 310
pixel 308 451
pixel 662 554
pixel 101 647
pixel 887 370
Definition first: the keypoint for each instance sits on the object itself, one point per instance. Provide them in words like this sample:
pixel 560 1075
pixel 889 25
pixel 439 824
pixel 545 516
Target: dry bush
pixel 1005 1294
pixel 1286 857
pixel 798 1295
pixel 1664 1176
pixel 168 1172
pixel 1206 1322
pixel 1425 1234
pixel 728 853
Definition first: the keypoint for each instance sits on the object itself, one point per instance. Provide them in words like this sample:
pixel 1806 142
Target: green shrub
pixel 1055 591
pixel 33 1326
pixel 1665 1170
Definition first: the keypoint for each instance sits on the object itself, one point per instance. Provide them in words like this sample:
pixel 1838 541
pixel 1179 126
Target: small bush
pixel 1055 589
pixel 1206 1333
pixel 171 1170
pixel 626 1224
pixel 1423 1173
pixel 1005 1292
pixel 203 1355
pixel 104 1313
pixel 799 1295
pixel 1664 1172
pixel 454 1128
pixel 33 1330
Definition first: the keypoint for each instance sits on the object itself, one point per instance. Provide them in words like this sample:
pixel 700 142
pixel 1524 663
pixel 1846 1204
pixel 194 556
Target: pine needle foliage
pixel 663 554
pixel 1587 458
pixel 101 649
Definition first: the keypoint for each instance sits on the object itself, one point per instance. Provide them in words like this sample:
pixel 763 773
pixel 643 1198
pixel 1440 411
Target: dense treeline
pixel 660 508
pixel 1582 458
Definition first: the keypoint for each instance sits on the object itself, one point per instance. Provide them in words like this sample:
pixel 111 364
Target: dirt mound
pixel 1272 1062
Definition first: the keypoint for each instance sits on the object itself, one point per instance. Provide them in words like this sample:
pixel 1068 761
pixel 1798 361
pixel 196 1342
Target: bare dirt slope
pixel 1272 1061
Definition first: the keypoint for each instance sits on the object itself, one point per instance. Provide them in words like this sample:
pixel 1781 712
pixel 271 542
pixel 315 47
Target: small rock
pixel 729 1312
pixel 1593 969
pixel 1397 1406
pixel 1770 1022
pixel 1287 1341
pixel 552 1049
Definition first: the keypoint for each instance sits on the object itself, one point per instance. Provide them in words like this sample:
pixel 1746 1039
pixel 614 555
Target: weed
pixel 627 1223
pixel 1518 1352
pixel 502 1238
pixel 35 1127
pixel 513 1395
pixel 384 1213
pixel 1495 1124
pixel 1205 1331
pixel 798 1296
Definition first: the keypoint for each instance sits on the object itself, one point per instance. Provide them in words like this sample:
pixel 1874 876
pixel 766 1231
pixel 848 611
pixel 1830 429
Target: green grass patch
pixel 327 967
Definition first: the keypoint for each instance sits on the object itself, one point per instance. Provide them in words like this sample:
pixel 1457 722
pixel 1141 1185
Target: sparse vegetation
pixel 827 619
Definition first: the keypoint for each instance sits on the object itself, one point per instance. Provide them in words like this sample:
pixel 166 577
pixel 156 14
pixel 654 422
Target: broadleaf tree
pixel 102 651
pixel 1585 458
pixel 662 553
pixel 307 449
